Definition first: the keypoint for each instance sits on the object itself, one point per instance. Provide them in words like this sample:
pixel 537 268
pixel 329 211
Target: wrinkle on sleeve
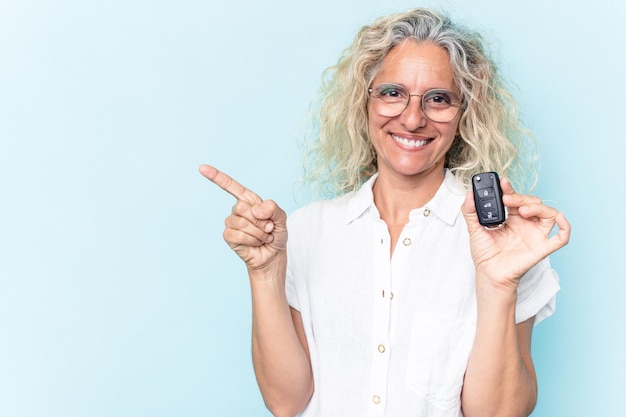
pixel 294 254
pixel 290 290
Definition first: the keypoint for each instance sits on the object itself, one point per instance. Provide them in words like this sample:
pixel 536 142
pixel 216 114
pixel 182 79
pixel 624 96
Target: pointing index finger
pixel 228 184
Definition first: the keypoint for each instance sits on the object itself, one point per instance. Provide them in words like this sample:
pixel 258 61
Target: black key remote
pixel 488 200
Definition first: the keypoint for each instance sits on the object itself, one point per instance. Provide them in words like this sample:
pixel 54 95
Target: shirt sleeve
pixel 290 290
pixel 294 250
pixel 536 293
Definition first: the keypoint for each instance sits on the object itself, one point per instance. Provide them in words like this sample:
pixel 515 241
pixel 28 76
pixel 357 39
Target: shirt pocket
pixel 438 356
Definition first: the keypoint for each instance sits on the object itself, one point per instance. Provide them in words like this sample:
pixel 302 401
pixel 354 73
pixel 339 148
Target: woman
pixel 391 299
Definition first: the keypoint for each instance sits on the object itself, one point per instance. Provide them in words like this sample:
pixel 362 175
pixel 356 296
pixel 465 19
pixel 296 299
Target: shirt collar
pixel 445 204
pixel 447 201
pixel 361 200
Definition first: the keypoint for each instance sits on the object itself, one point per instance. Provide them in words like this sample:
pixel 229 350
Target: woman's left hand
pixel 505 254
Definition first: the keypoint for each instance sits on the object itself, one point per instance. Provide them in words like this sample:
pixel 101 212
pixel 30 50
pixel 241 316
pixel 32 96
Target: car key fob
pixel 488 200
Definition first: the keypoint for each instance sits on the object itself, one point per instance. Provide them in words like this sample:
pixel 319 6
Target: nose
pixel 413 117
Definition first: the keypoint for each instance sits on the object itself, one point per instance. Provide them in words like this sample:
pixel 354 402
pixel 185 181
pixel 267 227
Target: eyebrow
pixel 407 89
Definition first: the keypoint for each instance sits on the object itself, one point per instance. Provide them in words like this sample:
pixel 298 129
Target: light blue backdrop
pixel 118 296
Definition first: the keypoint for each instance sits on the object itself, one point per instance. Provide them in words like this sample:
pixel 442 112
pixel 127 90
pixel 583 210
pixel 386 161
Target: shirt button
pixel 376 399
pixel 381 348
pixel 426 212
pixel 406 241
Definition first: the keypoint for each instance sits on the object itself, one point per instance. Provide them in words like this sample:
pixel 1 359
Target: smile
pixel 410 142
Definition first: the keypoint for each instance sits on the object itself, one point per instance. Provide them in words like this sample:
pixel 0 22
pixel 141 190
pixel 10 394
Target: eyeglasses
pixel 438 105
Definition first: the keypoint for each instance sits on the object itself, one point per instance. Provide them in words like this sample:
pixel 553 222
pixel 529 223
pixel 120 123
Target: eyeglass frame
pixel 459 106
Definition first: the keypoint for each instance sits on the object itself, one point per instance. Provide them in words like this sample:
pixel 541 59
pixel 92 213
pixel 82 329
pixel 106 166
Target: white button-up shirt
pixel 391 337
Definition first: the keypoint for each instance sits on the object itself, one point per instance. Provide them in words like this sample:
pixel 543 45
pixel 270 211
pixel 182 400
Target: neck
pixel 396 197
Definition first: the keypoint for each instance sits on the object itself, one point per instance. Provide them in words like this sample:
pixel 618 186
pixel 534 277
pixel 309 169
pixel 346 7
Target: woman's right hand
pixel 256 230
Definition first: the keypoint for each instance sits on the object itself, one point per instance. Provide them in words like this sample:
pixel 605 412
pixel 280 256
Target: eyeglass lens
pixel 438 105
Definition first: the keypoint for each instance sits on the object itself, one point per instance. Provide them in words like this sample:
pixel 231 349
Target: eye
pixel 390 92
pixel 441 98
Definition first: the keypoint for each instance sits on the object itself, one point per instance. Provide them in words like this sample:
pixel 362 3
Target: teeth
pixel 407 142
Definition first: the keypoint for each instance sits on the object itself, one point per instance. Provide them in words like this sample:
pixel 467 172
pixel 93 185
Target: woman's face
pixel 410 145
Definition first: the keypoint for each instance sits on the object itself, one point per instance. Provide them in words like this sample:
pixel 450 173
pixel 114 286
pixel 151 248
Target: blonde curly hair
pixel 340 156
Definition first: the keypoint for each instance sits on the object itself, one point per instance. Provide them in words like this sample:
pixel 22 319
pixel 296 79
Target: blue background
pixel 118 296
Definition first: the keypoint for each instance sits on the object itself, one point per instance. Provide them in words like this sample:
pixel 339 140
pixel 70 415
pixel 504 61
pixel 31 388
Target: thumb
pixel 469 212
pixel 276 222
pixel 269 211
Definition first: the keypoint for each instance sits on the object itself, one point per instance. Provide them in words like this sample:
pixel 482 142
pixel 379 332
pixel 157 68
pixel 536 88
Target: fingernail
pixel 269 227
